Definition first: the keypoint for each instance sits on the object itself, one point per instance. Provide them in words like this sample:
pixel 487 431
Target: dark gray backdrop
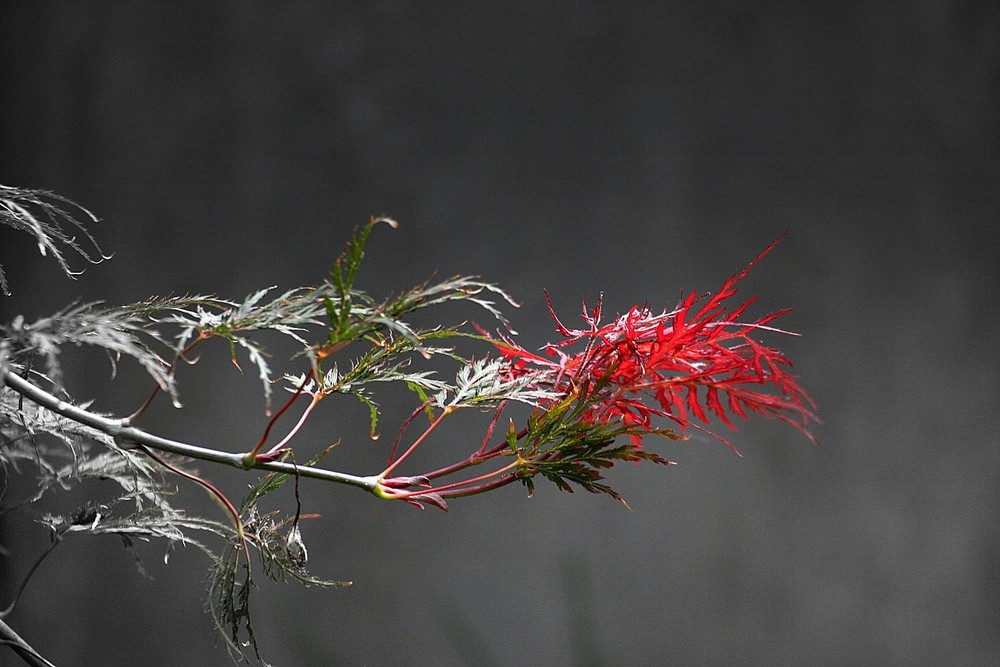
pixel 579 147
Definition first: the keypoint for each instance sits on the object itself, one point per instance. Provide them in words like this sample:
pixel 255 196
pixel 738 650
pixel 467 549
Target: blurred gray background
pixel 580 147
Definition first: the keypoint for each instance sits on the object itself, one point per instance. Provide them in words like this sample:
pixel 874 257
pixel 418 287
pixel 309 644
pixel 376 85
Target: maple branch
pixel 124 433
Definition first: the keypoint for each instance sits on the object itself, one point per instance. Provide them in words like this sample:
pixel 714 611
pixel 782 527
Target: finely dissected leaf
pixel 353 314
pixel 85 453
pixel 345 269
pixel 457 288
pixel 487 382
pixel 115 330
pixel 281 549
pixel 68 454
pixel 157 522
pixel 566 449
pixel 44 216
pixel 290 314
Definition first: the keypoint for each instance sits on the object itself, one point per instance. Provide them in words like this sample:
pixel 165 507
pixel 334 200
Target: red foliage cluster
pixel 682 364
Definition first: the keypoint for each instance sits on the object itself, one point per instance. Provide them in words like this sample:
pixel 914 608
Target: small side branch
pixel 21 647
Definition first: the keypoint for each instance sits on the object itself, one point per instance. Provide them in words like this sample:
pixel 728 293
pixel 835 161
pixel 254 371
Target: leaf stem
pixel 208 486
pixel 475 459
pixel 291 434
pixel 267 431
pixel 156 388
pixel 481 488
pixel 416 443
pixel 444 489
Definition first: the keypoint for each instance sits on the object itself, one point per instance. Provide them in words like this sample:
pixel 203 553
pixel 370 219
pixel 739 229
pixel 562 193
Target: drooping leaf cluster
pixel 129 495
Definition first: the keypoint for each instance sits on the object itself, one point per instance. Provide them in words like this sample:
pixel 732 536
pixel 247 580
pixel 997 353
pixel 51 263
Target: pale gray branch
pixel 124 434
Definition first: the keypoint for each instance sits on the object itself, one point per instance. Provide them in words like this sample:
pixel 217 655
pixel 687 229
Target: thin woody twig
pixel 124 433
pixel 21 647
